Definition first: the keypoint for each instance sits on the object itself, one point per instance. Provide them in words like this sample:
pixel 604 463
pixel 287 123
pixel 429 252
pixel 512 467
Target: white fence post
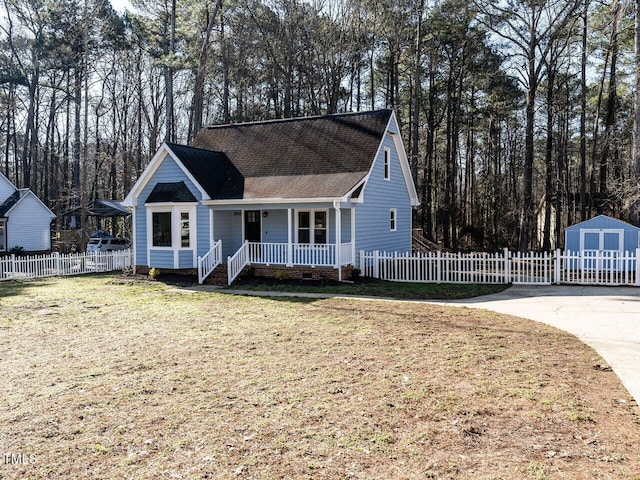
pixel 557 265
pixel 376 266
pixel 637 266
pixel 13 265
pixel 507 269
pixel 439 266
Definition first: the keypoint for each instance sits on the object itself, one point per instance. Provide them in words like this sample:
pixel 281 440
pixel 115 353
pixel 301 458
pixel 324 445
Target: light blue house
pixel 24 220
pixel 299 196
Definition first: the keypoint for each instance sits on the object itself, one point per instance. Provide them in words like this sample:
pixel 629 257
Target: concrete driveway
pixel 606 318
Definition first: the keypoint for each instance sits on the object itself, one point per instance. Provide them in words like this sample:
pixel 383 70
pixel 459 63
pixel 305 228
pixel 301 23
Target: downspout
pixel 336 206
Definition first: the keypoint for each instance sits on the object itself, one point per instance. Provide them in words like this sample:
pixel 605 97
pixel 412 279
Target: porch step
pixel 218 276
pixel 421 244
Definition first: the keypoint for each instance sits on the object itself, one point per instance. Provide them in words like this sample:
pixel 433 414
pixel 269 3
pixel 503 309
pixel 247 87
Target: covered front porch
pixel 315 235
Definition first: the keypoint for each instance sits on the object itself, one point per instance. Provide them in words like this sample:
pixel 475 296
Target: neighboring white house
pixel 24 220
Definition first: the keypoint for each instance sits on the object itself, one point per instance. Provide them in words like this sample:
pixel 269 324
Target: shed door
pixel 602 240
pixel 600 248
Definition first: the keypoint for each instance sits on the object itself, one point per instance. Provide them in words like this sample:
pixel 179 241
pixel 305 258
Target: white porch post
pixel 212 235
pixel 353 235
pixel 289 238
pixel 336 206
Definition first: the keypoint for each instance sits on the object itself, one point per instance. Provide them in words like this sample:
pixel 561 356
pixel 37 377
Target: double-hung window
pixel 393 213
pixel 312 227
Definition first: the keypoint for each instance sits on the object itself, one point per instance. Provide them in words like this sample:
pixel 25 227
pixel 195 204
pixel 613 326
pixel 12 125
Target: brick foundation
pixel 219 275
pixel 144 270
pixel 298 272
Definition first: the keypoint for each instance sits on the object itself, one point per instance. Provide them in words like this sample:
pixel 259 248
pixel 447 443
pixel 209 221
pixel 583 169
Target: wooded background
pixel 518 118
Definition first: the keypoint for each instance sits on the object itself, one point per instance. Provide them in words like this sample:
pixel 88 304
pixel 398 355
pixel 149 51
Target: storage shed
pixel 602 234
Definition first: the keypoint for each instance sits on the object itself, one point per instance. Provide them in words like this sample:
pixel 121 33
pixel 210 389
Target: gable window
pixel 312 227
pixel 387 164
pixel 392 219
pixel 161 229
pixel 3 235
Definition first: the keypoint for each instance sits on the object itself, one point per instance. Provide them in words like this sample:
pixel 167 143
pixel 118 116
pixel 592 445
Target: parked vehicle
pixel 101 245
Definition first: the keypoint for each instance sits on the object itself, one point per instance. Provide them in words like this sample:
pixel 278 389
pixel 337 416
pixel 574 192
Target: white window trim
pixel 3 222
pixel 386 164
pixel 393 220
pixel 176 237
pixel 312 226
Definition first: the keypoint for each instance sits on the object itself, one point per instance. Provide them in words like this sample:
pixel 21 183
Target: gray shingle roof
pixel 170 192
pixel 294 158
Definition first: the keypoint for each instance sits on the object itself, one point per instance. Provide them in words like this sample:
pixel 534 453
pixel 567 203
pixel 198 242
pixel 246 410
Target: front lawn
pixel 111 377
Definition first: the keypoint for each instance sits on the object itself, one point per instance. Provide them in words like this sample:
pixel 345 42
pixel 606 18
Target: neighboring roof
pixel 12 200
pixel 16 197
pixel 600 218
pixel 108 208
pixel 308 157
pixel 170 192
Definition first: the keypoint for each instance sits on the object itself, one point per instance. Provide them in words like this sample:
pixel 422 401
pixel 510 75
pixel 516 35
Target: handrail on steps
pixel 237 262
pixel 209 262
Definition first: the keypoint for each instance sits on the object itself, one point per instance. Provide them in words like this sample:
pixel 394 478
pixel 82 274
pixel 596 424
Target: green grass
pixel 112 377
pixel 377 288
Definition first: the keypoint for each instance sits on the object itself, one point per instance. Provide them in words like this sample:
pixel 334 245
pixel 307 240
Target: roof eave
pixel 273 201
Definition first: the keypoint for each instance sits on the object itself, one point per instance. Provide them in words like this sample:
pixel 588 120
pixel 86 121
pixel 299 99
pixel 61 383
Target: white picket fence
pixel 15 267
pixel 531 268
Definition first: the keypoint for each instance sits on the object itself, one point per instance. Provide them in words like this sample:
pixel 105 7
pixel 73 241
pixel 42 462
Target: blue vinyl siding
pixel 169 171
pixel 274 227
pixel 161 258
pixel 185 259
pixel 380 196
pixel 346 225
pixel 228 228
pixel 202 225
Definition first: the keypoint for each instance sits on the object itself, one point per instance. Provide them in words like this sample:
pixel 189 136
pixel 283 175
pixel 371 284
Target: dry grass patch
pixel 110 378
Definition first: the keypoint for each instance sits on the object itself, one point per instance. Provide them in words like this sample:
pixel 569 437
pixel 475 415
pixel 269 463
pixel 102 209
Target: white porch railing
pixel 40 266
pixel 208 262
pixel 299 254
pixel 289 255
pixel 347 254
pixel 237 262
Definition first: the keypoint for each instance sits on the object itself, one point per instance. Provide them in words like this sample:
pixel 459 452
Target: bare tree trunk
pixel 198 88
pixel 526 214
pixel 635 207
pixel 612 101
pixel 583 116
pixel 417 95
pixel 170 45
pixel 548 184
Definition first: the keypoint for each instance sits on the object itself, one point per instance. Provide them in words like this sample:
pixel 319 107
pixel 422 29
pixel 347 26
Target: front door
pixel 252 226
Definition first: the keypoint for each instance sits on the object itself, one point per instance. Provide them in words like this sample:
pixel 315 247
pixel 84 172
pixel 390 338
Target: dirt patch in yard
pixel 108 377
